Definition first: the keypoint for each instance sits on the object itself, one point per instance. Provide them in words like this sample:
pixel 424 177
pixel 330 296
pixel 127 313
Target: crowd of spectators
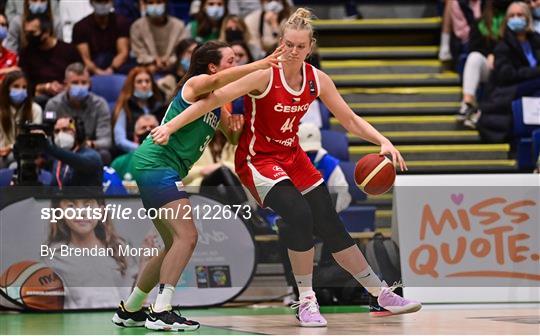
pixel 51 50
pixel 495 46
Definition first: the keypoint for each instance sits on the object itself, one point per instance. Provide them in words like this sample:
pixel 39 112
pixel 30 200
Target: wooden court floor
pixel 276 319
pixel 426 321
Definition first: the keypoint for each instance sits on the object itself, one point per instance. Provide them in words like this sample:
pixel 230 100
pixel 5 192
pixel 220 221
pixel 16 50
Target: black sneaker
pixel 124 318
pixel 170 321
pixel 375 309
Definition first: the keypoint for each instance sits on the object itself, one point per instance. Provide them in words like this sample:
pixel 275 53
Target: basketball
pixel 34 285
pixel 374 174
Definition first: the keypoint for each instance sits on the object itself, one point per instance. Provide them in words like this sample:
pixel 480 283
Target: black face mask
pixel 34 40
pixel 143 136
pixel 233 35
pixel 501 5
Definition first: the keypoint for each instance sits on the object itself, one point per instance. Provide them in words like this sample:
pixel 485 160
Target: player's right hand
pixel 160 135
pixel 272 60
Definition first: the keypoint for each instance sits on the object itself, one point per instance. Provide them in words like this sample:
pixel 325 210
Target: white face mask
pixel 215 12
pixel 64 140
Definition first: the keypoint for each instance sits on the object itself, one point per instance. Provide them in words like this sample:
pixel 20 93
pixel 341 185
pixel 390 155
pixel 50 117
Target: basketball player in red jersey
pixel 270 162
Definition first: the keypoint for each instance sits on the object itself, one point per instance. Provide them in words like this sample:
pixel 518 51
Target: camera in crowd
pixel 28 145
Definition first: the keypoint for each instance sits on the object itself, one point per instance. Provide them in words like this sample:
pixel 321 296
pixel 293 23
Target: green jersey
pixel 185 146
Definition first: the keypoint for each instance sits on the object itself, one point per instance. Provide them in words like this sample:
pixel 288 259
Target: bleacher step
pixel 384 80
pixel 377 32
pixel 431 136
pixel 390 95
pixel 384 52
pixel 405 108
pixel 343 67
pixel 453 154
pixel 408 123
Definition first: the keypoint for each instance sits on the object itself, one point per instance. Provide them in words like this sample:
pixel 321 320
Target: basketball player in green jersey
pixel 158 172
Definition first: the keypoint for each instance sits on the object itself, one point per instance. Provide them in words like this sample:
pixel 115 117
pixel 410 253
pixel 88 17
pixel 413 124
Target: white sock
pixel 370 281
pixel 164 298
pixel 444 51
pixel 135 300
pixel 305 287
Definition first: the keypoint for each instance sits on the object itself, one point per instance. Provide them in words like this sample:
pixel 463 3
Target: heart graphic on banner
pixel 457 198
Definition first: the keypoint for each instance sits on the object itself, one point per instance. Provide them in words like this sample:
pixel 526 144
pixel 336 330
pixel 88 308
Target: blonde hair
pixel 526 11
pixel 299 20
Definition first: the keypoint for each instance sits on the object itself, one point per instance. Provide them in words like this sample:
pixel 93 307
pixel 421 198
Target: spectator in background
pixel 45 59
pixel 183 52
pixel 16 39
pixel 155 37
pixel 535 10
pixel 16 7
pixel 16 106
pixel 130 9
pixel 139 96
pixel 242 53
pixel 122 164
pixel 71 12
pixel 516 73
pixel 8 59
pixel 77 102
pixel 74 163
pixel 207 22
pixel 263 25
pixel 183 56
pixel 309 136
pixel 243 8
pixel 463 15
pixel 102 39
pixel 234 29
pixel 480 62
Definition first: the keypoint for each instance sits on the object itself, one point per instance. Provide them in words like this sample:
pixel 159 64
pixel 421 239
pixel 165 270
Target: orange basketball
pixel 33 285
pixel 374 174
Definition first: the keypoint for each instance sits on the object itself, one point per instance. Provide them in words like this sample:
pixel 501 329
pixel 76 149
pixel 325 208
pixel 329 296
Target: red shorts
pixel 262 171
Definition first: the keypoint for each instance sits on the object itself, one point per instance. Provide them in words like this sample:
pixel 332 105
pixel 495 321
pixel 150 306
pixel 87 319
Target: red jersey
pixel 272 118
pixel 7 59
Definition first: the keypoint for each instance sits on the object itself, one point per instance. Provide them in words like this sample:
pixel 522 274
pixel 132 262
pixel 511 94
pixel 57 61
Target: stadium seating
pixel 359 218
pixel 336 143
pixel 108 86
pixel 523 139
pixel 348 170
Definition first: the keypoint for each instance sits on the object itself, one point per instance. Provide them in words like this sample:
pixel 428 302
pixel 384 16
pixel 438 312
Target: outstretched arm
pixel 203 84
pixel 256 81
pixel 353 123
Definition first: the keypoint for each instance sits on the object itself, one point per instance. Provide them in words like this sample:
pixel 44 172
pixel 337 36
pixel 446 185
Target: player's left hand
pixel 236 122
pixel 160 135
pixel 388 148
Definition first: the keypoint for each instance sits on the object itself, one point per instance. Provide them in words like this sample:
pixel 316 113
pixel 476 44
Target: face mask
pixel 78 92
pixel 185 62
pixel 143 136
pixel 273 6
pixel 64 140
pixel 37 7
pixel 3 33
pixel 536 12
pixel 215 12
pixel 143 94
pixel 102 9
pixel 232 35
pixel 17 96
pixel 34 40
pixel 155 10
pixel 517 24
